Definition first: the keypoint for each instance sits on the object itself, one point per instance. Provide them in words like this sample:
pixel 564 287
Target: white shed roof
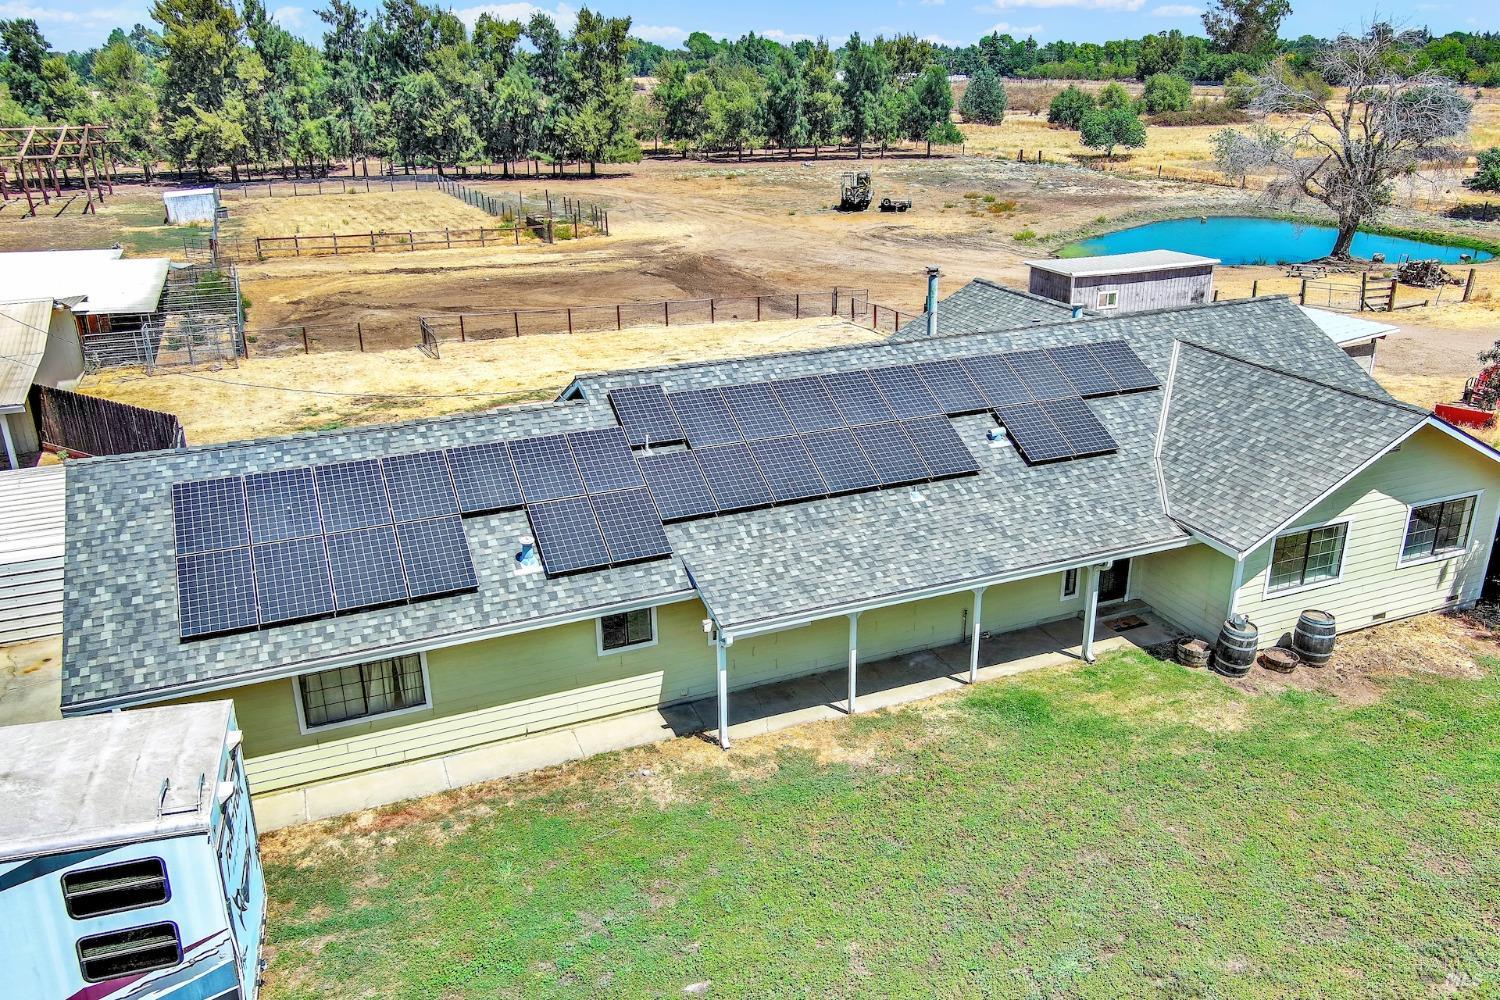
pixel 96 780
pixel 1345 329
pixel 186 193
pixel 31 514
pixel 23 341
pixel 1121 263
pixel 100 281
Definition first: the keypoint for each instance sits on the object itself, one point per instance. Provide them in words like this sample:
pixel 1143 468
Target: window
pixel 1108 300
pixel 128 885
pixel 129 952
pixel 1070 584
pixel 1306 557
pixel 627 629
pixel 1438 529
pixel 347 694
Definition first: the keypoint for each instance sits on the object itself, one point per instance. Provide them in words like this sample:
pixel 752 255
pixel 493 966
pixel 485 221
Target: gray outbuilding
pixel 1126 282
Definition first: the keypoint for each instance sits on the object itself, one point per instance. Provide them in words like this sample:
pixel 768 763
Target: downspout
pixel 932 299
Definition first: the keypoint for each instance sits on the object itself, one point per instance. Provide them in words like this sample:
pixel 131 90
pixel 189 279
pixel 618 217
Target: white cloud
pixel 1015 30
pixel 1176 10
pixel 89 18
pixel 786 37
pixel 932 3
pixel 661 34
pixel 562 15
pixel 1120 5
pixel 939 40
pixel 290 18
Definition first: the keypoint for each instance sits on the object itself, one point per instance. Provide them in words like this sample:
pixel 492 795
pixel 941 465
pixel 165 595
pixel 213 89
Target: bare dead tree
pixel 1347 154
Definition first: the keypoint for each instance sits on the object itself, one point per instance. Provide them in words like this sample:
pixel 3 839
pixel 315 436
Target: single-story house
pixel 1358 337
pixel 39 345
pixel 112 297
pixel 1224 458
pixel 1145 279
pixel 984 305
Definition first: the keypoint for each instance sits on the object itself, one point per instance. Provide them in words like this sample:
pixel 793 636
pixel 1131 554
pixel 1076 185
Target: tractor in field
pixel 854 191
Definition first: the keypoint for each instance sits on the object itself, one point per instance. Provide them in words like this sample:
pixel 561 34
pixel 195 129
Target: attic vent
pixel 527 560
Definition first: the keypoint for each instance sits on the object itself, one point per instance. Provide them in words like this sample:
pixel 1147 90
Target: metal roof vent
pixel 527 560
pixel 932 299
pixel 1077 312
pixel 996 436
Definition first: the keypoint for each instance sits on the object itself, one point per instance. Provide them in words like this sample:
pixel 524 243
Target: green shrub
pixel 1487 172
pixel 984 99
pixel 1113 96
pixel 1069 107
pixel 1207 113
pixel 1239 89
pixel 1106 129
pixel 1166 92
pixel 1025 236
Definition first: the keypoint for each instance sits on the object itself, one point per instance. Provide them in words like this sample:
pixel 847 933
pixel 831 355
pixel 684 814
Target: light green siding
pixel 1373 587
pixel 498 688
pixel 1189 587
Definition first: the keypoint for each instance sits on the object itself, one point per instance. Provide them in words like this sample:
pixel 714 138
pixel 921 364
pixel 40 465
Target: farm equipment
pixel 854 191
pixel 895 204
pixel 1477 408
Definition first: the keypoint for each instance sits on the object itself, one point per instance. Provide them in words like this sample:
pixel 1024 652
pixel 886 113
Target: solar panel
pixel 366 568
pixel 1040 375
pixel 604 460
pixel 631 526
pixel 904 391
pixel 645 414
pixel 282 504
pixel 677 485
pixel 997 380
pixel 891 453
pixel 940 447
pixel 842 464
pixel 1077 362
pixel 215 593
pixel 435 556
pixel 757 411
pixel 857 398
pixel 545 469
pixel 731 474
pixel 705 417
pixel 352 495
pixel 1034 433
pixel 567 535
pixel 484 478
pixel 209 514
pixel 788 469
pixel 951 386
pixel 419 485
pixel 807 404
pixel 1124 366
pixel 1083 431
pixel 292 581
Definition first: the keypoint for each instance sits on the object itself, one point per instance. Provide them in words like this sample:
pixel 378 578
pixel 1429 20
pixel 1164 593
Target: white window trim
pixel 1267 593
pixel 1402 562
pixel 363 719
pixel 1062 589
pixel 1101 296
pixel 628 647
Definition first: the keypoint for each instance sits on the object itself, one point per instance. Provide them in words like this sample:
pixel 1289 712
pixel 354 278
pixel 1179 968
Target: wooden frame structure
pixel 35 160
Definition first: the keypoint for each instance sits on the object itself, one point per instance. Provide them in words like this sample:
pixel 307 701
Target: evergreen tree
pixel 1069 107
pixel 984 99
pixel 866 74
pixel 735 111
pixel 25 52
pixel 201 40
pixel 823 108
pixel 929 109
pixel 598 93
pixel 786 117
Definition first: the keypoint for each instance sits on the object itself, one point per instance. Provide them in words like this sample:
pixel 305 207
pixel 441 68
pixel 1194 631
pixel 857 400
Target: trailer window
pixel 129 952
pixel 128 885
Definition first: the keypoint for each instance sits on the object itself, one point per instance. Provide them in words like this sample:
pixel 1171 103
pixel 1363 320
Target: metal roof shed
pixel 1126 282
pixel 191 205
pixel 32 518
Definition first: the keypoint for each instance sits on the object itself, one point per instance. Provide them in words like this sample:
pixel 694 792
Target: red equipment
pixel 1478 406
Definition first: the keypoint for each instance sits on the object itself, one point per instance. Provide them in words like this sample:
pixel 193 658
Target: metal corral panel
pixel 31 553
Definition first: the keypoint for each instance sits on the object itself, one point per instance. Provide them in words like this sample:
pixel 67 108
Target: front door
pixel 1114 583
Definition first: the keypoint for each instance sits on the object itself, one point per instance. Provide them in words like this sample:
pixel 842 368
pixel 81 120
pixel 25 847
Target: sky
pixel 79 24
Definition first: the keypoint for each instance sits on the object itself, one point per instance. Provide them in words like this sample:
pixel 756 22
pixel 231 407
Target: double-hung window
pixel 1438 529
pixel 626 630
pixel 1306 557
pixel 362 691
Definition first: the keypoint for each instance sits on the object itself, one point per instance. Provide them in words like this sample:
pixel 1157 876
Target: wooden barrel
pixel 1193 652
pixel 1234 653
pixel 1283 661
pixel 1313 637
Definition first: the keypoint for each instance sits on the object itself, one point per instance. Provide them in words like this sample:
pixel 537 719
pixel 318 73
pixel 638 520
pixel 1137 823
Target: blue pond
pixel 1238 239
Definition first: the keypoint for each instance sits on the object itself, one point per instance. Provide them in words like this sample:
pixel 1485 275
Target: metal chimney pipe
pixel 932 299
pixel 1077 312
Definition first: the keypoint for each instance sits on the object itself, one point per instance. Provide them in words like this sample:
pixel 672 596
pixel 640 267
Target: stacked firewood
pixel 1423 273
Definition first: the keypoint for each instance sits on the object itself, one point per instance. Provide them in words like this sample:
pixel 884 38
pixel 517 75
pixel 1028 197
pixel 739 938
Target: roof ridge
pixel 1021 292
pixel 1217 352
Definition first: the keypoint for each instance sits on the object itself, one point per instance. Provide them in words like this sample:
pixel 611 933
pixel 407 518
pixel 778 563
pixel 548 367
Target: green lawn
pixel 1127 829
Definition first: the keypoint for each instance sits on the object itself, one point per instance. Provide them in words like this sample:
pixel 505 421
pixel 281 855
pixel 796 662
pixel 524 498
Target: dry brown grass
pixel 381 211
pixel 271 396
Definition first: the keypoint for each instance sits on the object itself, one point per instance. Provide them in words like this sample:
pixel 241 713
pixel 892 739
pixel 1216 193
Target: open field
pixel 1130 828
pixel 352 213
pixel 269 396
pixel 131 217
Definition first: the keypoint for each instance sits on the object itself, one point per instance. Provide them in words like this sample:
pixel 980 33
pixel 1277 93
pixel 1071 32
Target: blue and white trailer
pixel 128 863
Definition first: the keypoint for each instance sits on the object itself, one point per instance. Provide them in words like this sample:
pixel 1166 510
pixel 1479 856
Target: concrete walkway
pixel 753 712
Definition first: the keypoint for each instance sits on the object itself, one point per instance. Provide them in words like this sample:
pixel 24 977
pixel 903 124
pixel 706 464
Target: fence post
pixel 335 244
pixel 712 315
pixel 1364 281
pixel 1390 305
pixel 570 320
pixel 618 325
pixel 297 244
pixel 463 336
pixel 1469 284
pixel 875 316
pixel 359 329
pixel 411 240
pixel 666 313
pixel 757 309
pixel 516 315
pixel 1255 288
pixel 1302 294
pixel 448 235
pixel 306 347
pixel 797 310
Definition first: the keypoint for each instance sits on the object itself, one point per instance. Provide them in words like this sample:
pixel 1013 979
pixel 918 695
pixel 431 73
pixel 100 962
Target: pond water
pixel 1238 239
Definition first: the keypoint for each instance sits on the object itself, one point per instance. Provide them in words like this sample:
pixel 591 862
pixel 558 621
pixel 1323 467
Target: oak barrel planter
pixel 1193 652
pixel 1234 653
pixel 1313 637
pixel 1280 659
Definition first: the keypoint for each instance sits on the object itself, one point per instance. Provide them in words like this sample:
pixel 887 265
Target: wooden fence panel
pixel 88 425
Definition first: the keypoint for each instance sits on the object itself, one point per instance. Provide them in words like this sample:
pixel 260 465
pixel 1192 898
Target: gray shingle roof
pixel 984 305
pixel 753 568
pixel 1245 448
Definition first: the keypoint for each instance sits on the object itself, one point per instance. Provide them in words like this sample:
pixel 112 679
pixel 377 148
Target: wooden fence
pixel 247 249
pixel 88 425
pixel 565 216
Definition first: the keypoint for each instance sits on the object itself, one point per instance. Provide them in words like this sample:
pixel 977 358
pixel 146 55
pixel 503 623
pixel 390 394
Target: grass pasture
pixel 380 211
pixel 1126 829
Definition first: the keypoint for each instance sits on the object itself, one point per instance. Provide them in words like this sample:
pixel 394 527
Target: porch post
pixel 1090 610
pixel 974 629
pixel 853 659
pixel 10 444
pixel 723 670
